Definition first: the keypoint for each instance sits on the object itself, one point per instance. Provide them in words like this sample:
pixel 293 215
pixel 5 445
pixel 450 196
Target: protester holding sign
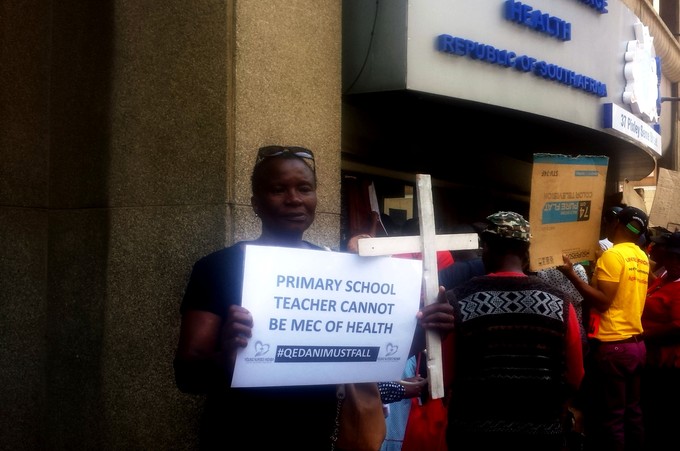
pixel 215 325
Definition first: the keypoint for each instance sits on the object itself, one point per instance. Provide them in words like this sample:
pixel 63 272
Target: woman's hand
pixel 413 386
pixel 237 328
pixel 567 268
pixel 353 243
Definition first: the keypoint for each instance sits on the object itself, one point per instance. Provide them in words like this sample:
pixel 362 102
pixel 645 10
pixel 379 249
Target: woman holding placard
pixel 215 325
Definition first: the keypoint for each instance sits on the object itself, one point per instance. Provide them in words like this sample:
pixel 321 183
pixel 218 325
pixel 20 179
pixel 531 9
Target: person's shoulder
pixel 474 283
pixel 612 251
pixel 624 250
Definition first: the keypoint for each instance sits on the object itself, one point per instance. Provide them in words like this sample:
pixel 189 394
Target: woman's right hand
pixel 237 328
pixel 236 331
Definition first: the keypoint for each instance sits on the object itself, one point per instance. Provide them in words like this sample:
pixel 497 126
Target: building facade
pixel 476 90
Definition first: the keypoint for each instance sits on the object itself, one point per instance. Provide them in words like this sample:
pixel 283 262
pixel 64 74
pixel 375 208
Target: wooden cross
pixel 428 243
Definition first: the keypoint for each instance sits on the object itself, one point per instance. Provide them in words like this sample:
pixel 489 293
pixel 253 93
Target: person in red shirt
pixel 661 325
pixel 412 228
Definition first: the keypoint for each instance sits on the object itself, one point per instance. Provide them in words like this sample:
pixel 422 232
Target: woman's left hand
pixel 438 315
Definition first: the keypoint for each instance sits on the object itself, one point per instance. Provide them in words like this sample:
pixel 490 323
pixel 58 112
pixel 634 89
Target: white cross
pixel 428 243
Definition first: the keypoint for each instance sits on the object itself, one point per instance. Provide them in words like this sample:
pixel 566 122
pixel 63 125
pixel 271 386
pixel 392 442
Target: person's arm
pixel 206 352
pixel 580 271
pixel 600 298
pixel 405 389
pixel 574 351
pixel 197 365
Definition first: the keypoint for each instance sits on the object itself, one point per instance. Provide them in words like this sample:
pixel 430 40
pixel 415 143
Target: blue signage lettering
pixel 536 20
pixel 598 5
pixel 524 63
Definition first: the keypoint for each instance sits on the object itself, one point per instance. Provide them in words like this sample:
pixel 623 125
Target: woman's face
pixel 286 200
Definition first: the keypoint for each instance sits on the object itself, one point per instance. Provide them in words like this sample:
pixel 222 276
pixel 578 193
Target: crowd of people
pixel 562 359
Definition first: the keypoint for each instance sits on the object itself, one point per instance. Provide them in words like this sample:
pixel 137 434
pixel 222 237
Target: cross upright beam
pixel 428 243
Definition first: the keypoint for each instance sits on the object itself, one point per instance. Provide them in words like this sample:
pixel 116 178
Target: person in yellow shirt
pixel 616 299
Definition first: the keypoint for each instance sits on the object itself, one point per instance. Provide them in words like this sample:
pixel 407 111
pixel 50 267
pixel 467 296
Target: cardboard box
pixel 567 195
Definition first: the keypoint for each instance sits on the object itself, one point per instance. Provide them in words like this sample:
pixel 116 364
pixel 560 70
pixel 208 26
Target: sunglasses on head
pixel 274 151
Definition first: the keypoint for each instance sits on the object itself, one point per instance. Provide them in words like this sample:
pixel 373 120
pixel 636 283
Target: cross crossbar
pixel 403 244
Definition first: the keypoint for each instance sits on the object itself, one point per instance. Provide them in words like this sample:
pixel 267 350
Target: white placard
pixel 326 317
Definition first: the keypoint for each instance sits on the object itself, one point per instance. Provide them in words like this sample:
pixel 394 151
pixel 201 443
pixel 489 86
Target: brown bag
pixel 360 422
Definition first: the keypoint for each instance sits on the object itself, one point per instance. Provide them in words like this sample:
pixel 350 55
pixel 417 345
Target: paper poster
pixel 665 211
pixel 567 194
pixel 326 317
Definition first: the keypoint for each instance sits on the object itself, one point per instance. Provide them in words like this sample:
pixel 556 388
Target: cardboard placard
pixel 567 194
pixel 665 211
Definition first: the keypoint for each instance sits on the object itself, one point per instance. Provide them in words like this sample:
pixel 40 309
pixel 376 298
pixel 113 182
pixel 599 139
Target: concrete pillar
pixel 128 132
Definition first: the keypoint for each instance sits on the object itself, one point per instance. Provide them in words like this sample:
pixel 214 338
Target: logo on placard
pixel 643 77
pixel 261 348
pixel 391 349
